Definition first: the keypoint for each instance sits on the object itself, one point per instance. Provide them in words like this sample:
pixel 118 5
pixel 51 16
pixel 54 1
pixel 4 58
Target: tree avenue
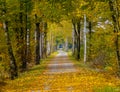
pixel 33 29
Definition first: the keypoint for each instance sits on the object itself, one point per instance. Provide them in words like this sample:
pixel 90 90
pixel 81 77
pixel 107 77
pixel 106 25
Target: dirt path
pixel 58 67
pixel 61 64
pixel 62 76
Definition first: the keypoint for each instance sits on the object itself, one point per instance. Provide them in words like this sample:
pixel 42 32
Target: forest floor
pixel 62 75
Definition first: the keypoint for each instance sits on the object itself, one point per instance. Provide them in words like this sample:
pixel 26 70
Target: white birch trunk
pixel 73 45
pixel 85 40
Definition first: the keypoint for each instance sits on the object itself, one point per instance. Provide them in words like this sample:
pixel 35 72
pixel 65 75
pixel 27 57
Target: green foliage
pixel 103 50
pixel 107 89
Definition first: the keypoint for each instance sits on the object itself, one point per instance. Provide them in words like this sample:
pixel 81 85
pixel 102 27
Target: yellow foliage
pixel 82 81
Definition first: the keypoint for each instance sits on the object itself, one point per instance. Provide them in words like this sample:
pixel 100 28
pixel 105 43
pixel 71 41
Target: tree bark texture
pixel 22 37
pixel 78 40
pixel 45 40
pixel 115 16
pixel 76 26
pixel 13 65
pixel 37 51
pixel 90 38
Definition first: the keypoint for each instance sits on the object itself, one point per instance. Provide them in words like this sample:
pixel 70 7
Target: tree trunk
pixel 78 40
pixel 22 39
pixel 90 38
pixel 22 49
pixel 51 42
pixel 76 26
pixel 115 18
pixel 27 34
pixel 13 66
pixel 37 44
pixel 28 26
pixel 78 49
pixel 25 44
pixel 41 47
pixel 17 35
pixel 45 39
pixel 75 37
pixel 28 56
pixel 73 42
pixel 37 59
pixel 85 40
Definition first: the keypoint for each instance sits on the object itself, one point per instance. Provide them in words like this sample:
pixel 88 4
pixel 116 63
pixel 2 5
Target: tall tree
pixel 28 9
pixel 37 59
pixel 85 40
pixel 22 37
pixel 113 4
pixel 45 39
pixel 13 65
pixel 77 29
